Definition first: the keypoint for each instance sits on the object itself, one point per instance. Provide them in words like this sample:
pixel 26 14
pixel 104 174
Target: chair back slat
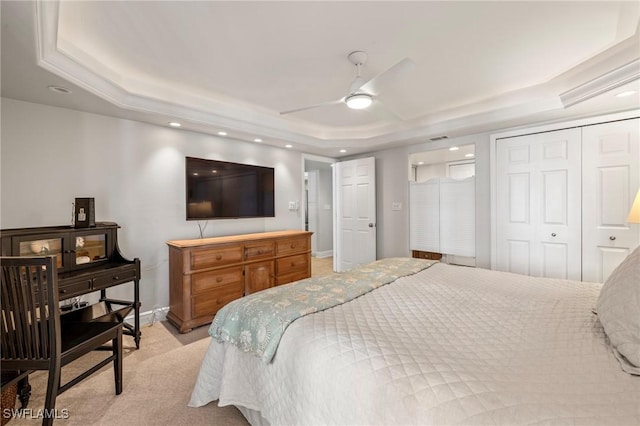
pixel 30 315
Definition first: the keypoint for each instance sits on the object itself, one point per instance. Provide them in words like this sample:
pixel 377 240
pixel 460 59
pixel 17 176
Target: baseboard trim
pixel 321 254
pixel 150 317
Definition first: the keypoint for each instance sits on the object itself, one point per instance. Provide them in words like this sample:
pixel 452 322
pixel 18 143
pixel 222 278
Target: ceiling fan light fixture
pixel 359 101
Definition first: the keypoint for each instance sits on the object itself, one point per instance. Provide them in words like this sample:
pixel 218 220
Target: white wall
pixel 392 169
pixel 135 172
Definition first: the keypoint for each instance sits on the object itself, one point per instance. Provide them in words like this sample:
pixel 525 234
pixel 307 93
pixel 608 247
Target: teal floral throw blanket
pixel 256 323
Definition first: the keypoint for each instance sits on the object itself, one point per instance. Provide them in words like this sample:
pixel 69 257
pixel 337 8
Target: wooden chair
pixel 34 338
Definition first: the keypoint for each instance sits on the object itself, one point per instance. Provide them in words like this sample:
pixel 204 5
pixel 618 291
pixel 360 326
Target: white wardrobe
pixel 442 216
pixel 562 199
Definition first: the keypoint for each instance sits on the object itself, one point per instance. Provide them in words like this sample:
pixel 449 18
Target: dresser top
pixel 236 238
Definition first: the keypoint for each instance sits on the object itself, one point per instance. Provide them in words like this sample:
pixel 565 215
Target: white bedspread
pixel 449 345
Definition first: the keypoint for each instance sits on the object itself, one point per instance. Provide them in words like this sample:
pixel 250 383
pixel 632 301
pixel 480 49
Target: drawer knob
pixel 612 238
pixel 293 246
pixel 553 234
pixel 63 291
pixel 115 277
pixel 219 257
pixel 219 279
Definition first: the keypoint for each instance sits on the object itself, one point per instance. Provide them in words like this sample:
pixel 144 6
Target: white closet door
pixel 424 215
pixel 610 180
pixel 458 217
pixel 538 204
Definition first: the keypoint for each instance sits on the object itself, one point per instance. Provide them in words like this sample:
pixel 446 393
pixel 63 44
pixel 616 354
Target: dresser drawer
pixel 289 278
pixel 71 289
pixel 209 302
pixel 292 245
pixel 114 278
pixel 259 251
pixel 213 257
pixel 292 264
pixel 205 281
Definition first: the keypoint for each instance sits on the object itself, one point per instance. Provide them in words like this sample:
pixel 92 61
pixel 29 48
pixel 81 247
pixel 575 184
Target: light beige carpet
pixel 158 379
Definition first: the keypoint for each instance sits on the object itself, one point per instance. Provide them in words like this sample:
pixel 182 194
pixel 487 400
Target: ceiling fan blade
pixel 323 104
pixel 374 85
pixel 383 113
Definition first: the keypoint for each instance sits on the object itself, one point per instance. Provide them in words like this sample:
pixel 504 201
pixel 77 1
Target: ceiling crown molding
pixel 604 83
pixel 216 112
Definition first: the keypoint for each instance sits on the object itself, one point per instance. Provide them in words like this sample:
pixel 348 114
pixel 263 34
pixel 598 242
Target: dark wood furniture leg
pixel 24 392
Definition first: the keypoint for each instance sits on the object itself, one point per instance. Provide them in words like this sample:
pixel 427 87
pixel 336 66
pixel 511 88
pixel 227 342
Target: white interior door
pixel 538 204
pixel 355 192
pixel 610 180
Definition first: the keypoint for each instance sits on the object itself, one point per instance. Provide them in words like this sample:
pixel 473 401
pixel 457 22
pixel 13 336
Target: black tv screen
pixel 223 190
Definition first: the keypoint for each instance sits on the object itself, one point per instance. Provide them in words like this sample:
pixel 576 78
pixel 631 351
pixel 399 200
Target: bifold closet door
pixel 424 215
pixel 538 204
pixel 610 180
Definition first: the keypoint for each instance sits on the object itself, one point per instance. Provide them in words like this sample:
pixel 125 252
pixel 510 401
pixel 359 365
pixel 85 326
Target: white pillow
pixel 618 309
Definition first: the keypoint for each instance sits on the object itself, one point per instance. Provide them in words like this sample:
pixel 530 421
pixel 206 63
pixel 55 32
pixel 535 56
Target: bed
pixel 445 345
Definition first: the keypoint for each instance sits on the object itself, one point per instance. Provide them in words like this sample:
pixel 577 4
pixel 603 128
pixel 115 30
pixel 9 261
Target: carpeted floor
pixel 157 383
pixel 158 379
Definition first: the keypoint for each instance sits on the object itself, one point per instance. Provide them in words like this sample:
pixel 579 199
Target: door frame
pixel 527 131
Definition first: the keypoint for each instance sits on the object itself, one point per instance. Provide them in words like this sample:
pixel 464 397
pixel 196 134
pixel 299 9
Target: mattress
pixel 448 345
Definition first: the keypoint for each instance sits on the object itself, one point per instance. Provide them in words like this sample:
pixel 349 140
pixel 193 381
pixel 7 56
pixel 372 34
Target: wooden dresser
pixel 206 274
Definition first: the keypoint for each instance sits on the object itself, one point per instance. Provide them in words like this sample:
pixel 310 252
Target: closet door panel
pixel 457 217
pixel 514 210
pixel 538 210
pixel 424 216
pixel 610 180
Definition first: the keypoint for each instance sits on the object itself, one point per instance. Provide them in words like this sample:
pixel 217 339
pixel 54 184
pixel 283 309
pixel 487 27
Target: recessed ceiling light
pixel 214 171
pixel 420 163
pixel 288 146
pixel 257 140
pixel 624 94
pixel 59 89
pixel 222 133
pixel 175 124
pixel 195 173
pixel 343 151
pixel 454 148
pixel 469 155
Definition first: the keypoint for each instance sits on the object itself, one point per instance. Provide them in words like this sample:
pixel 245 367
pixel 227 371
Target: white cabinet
pixel 442 216
pixel 562 199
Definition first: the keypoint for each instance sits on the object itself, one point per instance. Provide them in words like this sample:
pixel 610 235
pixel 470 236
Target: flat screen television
pixel 223 190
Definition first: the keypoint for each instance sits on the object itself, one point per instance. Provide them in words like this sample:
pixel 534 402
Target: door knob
pixel 371 225
pixel 612 238
pixel 553 234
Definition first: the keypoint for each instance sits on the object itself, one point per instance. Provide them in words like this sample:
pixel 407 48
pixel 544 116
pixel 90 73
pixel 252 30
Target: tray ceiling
pixel 234 66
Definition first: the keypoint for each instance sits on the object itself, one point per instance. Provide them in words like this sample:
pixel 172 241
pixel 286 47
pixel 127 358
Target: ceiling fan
pixel 362 93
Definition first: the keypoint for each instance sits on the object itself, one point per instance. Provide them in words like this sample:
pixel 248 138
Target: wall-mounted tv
pixel 223 190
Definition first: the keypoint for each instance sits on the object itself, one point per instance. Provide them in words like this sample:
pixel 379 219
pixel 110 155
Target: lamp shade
pixel 634 214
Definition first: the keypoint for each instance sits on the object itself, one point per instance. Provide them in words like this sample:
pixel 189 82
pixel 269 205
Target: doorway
pixel 318 204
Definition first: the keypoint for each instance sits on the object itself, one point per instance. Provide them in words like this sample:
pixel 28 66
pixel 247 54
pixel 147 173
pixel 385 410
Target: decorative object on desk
pixel 85 213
